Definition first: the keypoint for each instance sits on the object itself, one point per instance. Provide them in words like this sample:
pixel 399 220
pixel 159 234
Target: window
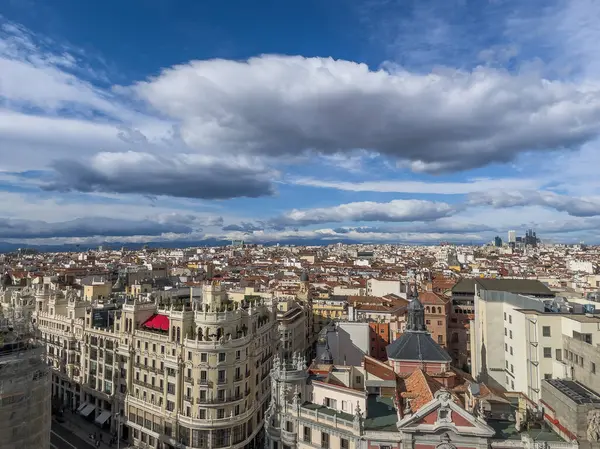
pixel 324 440
pixel 580 361
pixel 546 331
pixel 344 443
pixel 189 355
pixel 440 323
pixel 357 379
pixel 559 355
pixel 440 340
pixel 237 355
pixel 427 321
pixel 506 363
pixel 306 435
pixel 504 316
pixel 202 413
pixel 547 376
pixel 221 356
pixel 203 357
pixel 510 334
pixel 512 385
pixel 344 406
pixel 331 403
pixel 505 346
pixel 547 353
pixel 170 388
pixel 220 413
pixel 505 332
pixel 593 367
pixel 512 368
pixel 511 352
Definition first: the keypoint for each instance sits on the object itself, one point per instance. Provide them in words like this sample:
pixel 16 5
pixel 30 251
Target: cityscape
pixel 299 224
pixel 343 346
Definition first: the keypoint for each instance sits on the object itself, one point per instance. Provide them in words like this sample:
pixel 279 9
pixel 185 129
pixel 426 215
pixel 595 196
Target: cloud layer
pixel 394 211
pixel 181 175
pixel 87 227
pixel 439 122
pixel 578 207
pixel 150 156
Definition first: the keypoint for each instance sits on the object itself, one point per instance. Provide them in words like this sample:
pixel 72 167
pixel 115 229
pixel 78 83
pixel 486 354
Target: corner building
pixel 197 373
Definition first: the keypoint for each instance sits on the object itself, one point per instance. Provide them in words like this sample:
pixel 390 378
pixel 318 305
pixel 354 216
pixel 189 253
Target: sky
pixel 396 121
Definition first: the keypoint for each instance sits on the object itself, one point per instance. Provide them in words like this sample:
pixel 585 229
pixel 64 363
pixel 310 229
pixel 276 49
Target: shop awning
pixel 87 410
pixel 103 417
pixel 81 407
pixel 157 322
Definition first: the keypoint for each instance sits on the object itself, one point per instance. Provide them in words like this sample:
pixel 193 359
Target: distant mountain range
pixel 6 247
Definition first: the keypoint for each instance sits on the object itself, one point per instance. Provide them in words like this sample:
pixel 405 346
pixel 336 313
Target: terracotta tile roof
pixel 419 388
pixel 431 298
pixel 378 369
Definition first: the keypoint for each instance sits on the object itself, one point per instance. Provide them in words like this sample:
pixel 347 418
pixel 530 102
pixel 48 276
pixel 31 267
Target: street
pixel 62 438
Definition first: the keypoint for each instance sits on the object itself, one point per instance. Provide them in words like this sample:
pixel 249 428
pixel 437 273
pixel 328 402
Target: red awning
pixel 157 322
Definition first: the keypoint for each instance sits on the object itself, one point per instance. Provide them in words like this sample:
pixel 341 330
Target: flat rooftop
pixel 506 430
pixel 579 317
pixel 575 391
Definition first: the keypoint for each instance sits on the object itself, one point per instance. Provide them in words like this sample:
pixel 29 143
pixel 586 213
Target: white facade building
pixel 377 287
pixel 516 344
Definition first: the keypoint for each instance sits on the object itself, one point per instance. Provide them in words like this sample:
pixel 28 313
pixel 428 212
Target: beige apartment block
pixel 197 375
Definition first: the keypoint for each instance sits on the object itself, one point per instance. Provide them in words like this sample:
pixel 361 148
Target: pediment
pixel 443 413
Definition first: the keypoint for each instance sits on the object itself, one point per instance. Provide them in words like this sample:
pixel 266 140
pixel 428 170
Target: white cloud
pixel 439 188
pixel 578 207
pixel 393 211
pixel 444 121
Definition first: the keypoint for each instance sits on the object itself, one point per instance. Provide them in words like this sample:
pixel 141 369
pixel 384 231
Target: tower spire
pixel 416 312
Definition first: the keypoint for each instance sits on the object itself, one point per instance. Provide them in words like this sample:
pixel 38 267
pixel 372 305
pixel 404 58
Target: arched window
pixel 427 309
pixel 199 333
pixel 440 310
pixel 178 334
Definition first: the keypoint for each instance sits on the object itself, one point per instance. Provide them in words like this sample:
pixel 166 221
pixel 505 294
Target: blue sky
pixel 373 121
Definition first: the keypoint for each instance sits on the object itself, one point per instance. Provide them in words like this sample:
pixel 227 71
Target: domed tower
pixel 6 280
pixel 415 348
pixel 415 321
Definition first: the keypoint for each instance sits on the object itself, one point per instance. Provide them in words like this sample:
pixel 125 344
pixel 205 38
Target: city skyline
pixel 317 122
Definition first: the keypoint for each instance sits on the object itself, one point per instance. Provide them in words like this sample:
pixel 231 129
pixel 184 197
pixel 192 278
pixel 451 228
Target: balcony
pixel 223 400
pixel 189 399
pixel 149 368
pixel 288 437
pixel 189 380
pixel 222 381
pixel 238 378
pixel 147 385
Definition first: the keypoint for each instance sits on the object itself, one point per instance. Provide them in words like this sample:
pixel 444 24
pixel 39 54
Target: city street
pixel 62 438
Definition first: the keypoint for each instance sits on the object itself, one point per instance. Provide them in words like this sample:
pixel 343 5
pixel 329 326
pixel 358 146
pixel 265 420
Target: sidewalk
pixel 83 428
